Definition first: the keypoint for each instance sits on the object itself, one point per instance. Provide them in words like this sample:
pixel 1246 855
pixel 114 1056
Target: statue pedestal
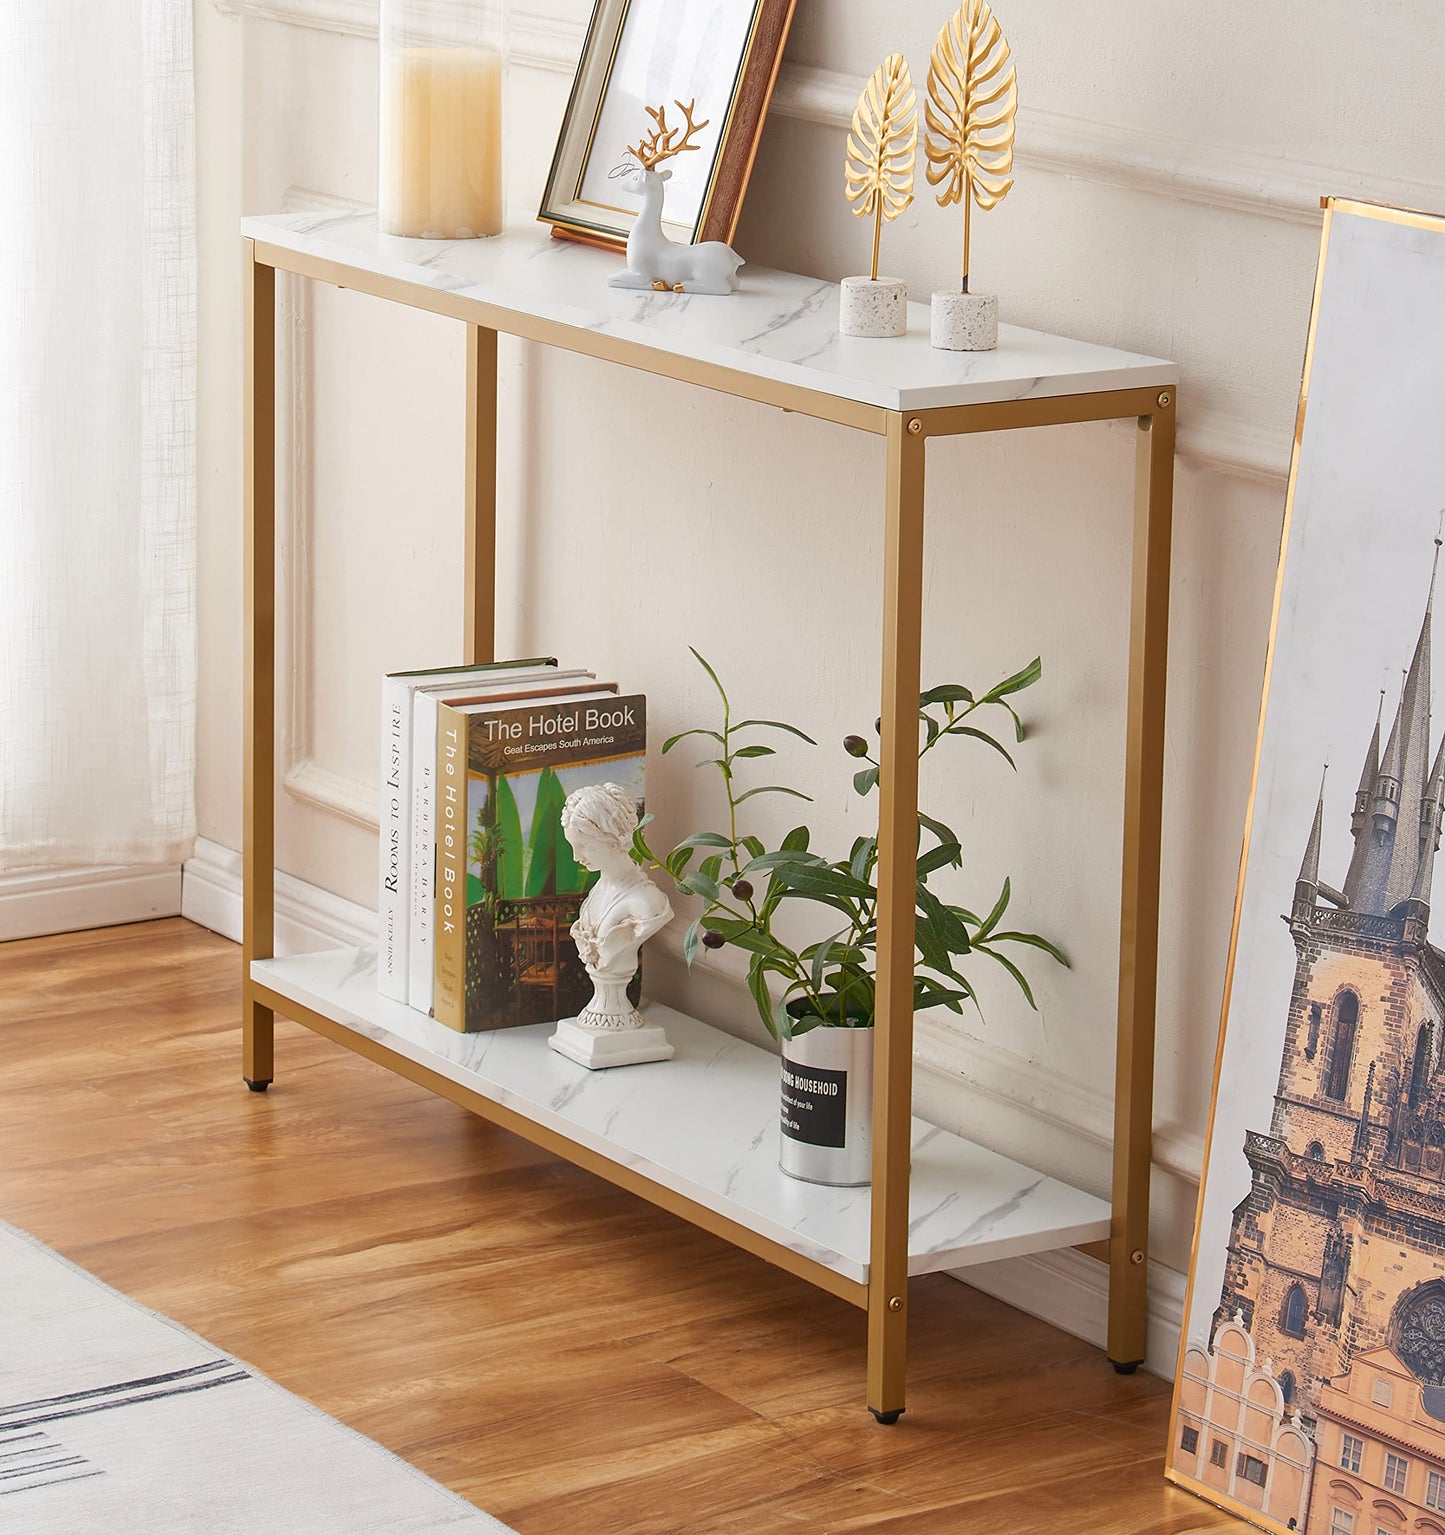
pixel 596 1049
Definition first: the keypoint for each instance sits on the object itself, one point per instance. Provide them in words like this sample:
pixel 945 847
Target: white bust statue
pixel 621 912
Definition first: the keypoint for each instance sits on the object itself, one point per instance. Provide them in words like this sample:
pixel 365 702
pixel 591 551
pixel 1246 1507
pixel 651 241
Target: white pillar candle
pixel 441 143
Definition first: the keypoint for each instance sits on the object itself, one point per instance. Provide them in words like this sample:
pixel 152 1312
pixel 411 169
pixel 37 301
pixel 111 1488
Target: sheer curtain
pixel 97 433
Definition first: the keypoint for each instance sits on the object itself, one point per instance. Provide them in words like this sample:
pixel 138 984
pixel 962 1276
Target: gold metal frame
pixel 906 436
pixel 1386 214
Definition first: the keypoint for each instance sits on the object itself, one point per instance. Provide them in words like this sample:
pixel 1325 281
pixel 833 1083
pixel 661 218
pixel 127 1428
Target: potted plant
pixel 817 998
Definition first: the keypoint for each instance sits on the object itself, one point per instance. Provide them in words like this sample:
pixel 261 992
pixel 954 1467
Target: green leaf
pixel 772 788
pixel 720 763
pixel 712 867
pixel 698 883
pixel 753 845
pixel 951 932
pixel 946 853
pixel 991 921
pixel 947 693
pixel 776 861
pixel 864 781
pixel 823 879
pixel 983 735
pixel 777 725
pixel 821 953
pixel 705 839
pixel 758 990
pixel 1018 723
pixel 672 741
pixel 797 840
pixel 1034 941
pixel 1017 683
pixel 864 850
pixel 931 946
pixel 646 820
pixel 702 662
pixel 745 935
pixel 689 941
pixel 783 1026
pixel 755 751
pixel 1015 972
pixel 677 861
pixel 938 828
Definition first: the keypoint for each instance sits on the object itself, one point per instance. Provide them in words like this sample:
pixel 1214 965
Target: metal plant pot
pixel 827 1107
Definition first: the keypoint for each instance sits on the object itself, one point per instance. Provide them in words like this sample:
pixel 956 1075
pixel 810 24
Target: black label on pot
pixel 815 1105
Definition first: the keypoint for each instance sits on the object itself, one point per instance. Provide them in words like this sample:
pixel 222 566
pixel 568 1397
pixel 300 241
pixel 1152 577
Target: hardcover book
pixel 394 887
pixel 508 687
pixel 508 885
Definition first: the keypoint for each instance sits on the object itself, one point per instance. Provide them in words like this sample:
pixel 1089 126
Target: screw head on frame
pixel 915 426
pixel 895 1303
pixel 1165 398
pixel 1137 1256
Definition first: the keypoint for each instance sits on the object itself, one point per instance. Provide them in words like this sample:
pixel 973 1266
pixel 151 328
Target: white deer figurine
pixel 654 261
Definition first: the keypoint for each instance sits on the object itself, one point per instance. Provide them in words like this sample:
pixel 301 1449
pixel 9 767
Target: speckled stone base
pixel 964 322
pixel 875 307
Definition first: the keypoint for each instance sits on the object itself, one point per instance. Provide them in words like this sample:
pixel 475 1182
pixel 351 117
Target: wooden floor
pixel 564 1355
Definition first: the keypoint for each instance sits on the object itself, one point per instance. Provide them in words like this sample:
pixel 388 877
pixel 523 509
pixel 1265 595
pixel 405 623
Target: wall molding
pixel 1078 1111
pixel 302 776
pixel 47 901
pixel 1066 1289
pixel 307 917
pixel 1232 177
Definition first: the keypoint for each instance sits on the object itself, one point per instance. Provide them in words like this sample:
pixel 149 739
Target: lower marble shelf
pixel 705 1125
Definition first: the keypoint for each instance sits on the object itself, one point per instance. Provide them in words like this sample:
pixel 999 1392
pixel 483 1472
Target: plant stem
pixel 877 234
pixel 967 210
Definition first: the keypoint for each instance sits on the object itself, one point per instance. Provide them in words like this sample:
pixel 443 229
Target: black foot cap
pixel 886 1417
pixel 257 1087
pixel 1126 1369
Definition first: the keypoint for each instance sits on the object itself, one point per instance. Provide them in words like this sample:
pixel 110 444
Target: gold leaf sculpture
pixel 883 147
pixel 972 102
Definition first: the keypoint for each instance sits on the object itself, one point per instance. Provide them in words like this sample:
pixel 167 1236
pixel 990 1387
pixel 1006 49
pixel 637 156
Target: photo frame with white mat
pixel 722 55
pixel 1310 1393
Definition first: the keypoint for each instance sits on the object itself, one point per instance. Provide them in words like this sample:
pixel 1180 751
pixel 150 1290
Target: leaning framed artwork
pixel 1310 1393
pixel 717 59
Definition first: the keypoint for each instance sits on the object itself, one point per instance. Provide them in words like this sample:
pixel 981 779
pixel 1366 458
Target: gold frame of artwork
pixel 1365 1524
pixel 742 116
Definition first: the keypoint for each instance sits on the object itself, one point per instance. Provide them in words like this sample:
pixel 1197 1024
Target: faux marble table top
pixel 705 1125
pixel 779 326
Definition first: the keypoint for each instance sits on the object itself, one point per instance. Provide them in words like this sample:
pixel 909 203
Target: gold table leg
pixel 1139 908
pixel 479 638
pixel 259 786
pixel 897 852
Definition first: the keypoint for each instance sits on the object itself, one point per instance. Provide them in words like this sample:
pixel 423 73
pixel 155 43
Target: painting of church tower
pixel 1336 1257
pixel 1345 1219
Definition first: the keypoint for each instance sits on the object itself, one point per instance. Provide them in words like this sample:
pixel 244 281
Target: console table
pixel 776 342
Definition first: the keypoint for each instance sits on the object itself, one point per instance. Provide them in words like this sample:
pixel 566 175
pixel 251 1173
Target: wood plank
pixel 554 1349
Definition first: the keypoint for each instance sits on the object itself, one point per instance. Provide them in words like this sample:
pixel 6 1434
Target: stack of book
pixel 479 886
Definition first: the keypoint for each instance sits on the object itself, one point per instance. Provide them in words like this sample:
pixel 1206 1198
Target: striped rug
pixel 115 1420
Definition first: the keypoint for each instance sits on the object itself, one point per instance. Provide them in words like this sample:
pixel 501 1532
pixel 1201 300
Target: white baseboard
pixel 1070 1291
pixel 1066 1289
pixel 307 917
pixel 70 900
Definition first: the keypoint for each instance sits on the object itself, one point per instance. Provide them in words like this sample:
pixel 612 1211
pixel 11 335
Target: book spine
pixel 392 912
pixel 449 929
pixel 421 977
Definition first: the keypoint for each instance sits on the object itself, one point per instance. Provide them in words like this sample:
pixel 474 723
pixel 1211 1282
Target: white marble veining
pixel 779 326
pixel 705 1125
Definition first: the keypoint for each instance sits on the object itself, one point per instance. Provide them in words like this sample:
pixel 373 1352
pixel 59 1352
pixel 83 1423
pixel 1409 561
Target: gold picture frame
pixel 724 54
pixel 1310 1391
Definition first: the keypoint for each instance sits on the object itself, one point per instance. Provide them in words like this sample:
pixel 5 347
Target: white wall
pixel 1169 166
